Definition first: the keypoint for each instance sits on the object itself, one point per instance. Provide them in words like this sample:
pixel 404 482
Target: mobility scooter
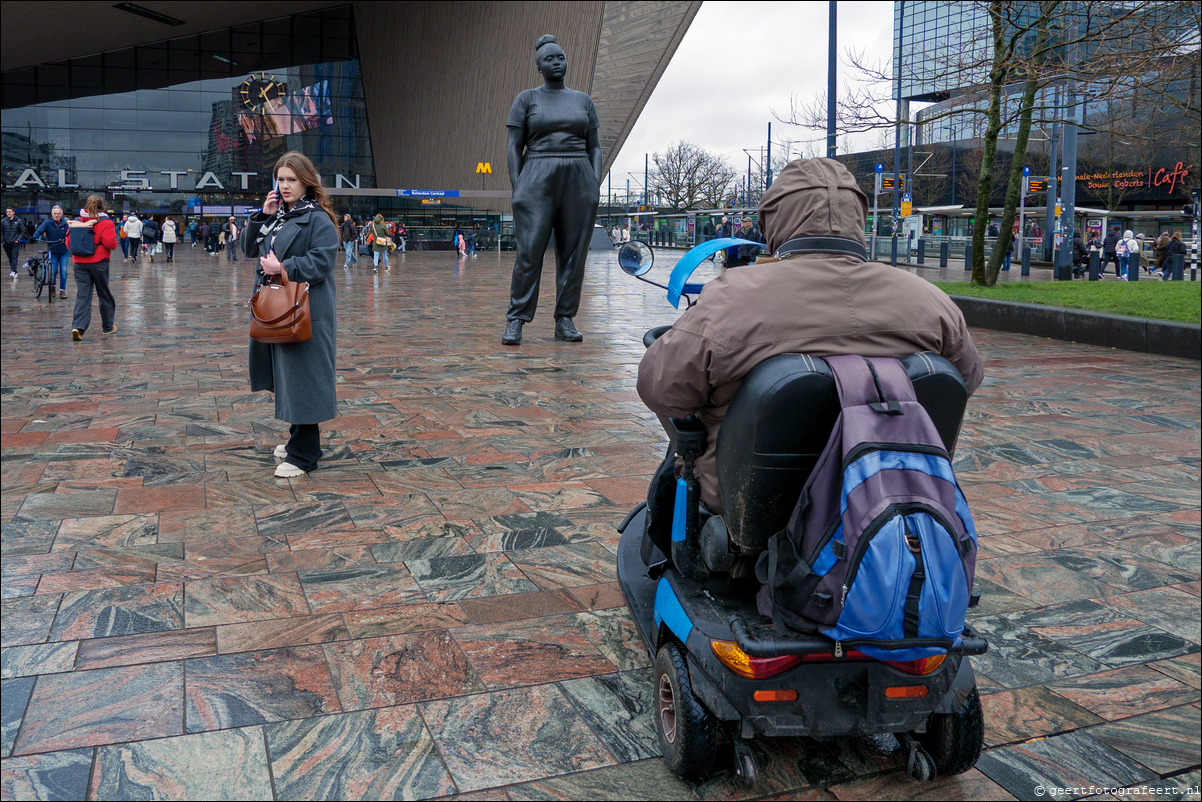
pixel 723 674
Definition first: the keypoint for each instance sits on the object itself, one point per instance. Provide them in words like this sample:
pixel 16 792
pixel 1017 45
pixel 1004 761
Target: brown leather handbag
pixel 279 313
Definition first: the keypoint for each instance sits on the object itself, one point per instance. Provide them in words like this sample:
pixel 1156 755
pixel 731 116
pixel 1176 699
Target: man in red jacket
pixel 92 269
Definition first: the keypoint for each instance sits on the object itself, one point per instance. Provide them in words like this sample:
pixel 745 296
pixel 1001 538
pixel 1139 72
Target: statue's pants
pixel 555 193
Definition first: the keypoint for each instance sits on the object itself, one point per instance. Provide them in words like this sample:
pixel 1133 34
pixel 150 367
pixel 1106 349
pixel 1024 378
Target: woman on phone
pixel 296 234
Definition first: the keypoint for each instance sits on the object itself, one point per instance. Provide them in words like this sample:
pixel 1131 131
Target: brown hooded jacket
pixel 823 304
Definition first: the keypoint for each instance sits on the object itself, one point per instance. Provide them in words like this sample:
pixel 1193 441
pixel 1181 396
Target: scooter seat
pixel 779 423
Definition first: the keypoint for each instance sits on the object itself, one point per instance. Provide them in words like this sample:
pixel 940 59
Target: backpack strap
pixel 878 383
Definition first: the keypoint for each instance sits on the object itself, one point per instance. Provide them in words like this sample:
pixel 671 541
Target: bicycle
pixel 39 268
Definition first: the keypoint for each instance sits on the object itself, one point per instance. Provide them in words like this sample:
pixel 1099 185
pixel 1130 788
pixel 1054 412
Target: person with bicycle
pixel 54 231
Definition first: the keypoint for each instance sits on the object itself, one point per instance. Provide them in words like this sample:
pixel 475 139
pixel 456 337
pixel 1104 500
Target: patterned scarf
pixel 268 231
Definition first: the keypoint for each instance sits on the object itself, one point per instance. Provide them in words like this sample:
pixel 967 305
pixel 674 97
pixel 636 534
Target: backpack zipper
pixel 875 527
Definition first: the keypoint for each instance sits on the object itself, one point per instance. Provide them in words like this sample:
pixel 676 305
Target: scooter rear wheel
pixel 954 740
pixel 688 732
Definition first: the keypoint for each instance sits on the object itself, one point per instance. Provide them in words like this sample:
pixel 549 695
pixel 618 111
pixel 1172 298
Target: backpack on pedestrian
pixel 1120 248
pixel 82 240
pixel 880 551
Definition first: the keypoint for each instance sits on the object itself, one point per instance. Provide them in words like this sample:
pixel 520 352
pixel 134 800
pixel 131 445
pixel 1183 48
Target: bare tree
pixel 686 176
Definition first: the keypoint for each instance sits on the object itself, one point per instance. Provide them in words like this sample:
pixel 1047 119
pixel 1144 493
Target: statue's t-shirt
pixel 555 120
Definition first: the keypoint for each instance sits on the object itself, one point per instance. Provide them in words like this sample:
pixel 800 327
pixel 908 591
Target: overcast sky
pixel 737 65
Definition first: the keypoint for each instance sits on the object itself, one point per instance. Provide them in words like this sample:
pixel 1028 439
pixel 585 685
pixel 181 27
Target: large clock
pixel 261 93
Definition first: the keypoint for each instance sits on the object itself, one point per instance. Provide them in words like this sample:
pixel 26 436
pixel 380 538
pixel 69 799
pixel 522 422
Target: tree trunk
pixel 1010 207
pixel 997 79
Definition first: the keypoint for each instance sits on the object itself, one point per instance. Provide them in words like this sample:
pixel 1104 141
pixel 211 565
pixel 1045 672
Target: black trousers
pixel 11 249
pixel 88 276
pixel 304 445
pixel 555 194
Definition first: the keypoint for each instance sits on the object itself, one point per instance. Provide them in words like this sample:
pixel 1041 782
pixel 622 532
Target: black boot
pixel 513 333
pixel 564 330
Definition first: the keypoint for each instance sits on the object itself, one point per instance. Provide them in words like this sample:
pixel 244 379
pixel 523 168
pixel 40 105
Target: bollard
pixel 968 256
pixel 893 252
pixel 922 251
pixel 1095 266
pixel 944 247
pixel 1026 265
pixel 1133 268
pixel 1177 263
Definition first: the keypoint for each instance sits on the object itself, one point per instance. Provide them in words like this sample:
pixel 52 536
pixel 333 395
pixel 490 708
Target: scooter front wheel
pixel 688 732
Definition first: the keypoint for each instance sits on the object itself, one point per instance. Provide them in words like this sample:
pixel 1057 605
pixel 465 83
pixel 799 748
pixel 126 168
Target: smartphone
pixel 275 185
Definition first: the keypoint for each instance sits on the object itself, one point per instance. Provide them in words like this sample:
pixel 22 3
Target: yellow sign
pixel 1058 209
pixel 432 201
pixel 907 208
pixel 483 167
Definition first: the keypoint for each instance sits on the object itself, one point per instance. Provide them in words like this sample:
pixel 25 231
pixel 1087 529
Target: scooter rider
pixel 815 296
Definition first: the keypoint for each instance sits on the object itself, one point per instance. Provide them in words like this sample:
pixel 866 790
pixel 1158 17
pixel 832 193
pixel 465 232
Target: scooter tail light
pixel 750 667
pixel 924 665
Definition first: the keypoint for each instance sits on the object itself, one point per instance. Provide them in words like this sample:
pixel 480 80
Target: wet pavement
pixel 434 612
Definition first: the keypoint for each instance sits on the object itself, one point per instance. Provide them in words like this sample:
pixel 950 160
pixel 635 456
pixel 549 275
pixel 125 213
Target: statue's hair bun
pixel 545 39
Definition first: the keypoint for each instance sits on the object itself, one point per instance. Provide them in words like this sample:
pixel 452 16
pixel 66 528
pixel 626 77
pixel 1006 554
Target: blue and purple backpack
pixel 880 551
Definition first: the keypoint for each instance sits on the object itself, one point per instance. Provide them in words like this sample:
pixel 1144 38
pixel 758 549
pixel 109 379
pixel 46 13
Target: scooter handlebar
pixel 654 334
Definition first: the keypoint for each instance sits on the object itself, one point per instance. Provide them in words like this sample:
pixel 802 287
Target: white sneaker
pixel 281 451
pixel 286 470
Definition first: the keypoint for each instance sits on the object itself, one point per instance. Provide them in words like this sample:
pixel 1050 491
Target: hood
pixel 813 197
pixel 1127 234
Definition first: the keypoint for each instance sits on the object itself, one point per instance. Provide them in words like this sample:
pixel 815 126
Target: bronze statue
pixel 554 157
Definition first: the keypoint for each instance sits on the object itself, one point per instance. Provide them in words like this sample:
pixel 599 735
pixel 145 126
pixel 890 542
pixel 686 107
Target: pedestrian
pixel 1110 252
pixel 133 235
pixel 297 214
pixel 193 231
pixel 615 236
pixel 204 235
pixel 11 230
pixel 1160 250
pixel 471 243
pixel 745 254
pixel 1080 255
pixel 231 240
pixel 1128 250
pixel 402 235
pixel 53 231
pixel 1142 261
pixel 349 236
pixel 170 236
pixel 1175 246
pixel 461 245
pixel 379 243
pixel 92 269
pixel 123 237
pixel 150 236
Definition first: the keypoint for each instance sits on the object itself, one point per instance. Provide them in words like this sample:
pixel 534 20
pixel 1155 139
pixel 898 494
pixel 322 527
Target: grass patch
pixel 1179 301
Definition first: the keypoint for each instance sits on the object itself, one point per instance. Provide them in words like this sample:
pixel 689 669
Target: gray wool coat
pixel 300 374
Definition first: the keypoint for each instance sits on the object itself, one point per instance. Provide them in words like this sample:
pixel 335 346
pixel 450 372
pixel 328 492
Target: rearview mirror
pixel 636 257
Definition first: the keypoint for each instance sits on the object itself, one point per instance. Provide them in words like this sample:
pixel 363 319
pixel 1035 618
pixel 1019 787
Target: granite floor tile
pixel 52 776
pixel 972 785
pixel 393 552
pixel 396 510
pixel 221 521
pixel 107 532
pixel 27 538
pixel 56 506
pixel 287 519
pixel 643 780
pixel 370 754
pixel 1166 741
pixel 284 561
pixel 532 651
pixel 1125 692
pixel 38 658
pixel 14 696
pixel 515 540
pixel 559 496
pixel 237 600
pixel 514 606
pixel 160 499
pixel 405 619
pixel 1073 760
pixel 27 620
pixel 400 669
pixel 504 737
pixel 109 705
pixel 1168 609
pixel 231 764
pixel 599 597
pixel 139 557
pixel 1026 713
pixel 469 577
pixel 620 709
pixel 1186 669
pixel 279 633
pixel 1118 567
pixel 360 588
pixel 119 611
pixel 570 565
pixel 616 636
pixel 156 647
pixel 211 568
pixel 1018 657
pixel 96 579
pixel 239 690
pixel 1103 634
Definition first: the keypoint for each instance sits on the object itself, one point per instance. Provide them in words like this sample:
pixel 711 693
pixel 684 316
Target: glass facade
pixel 189 126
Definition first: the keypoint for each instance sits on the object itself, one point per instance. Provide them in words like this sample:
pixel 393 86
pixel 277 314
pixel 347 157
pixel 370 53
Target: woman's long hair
pixel 299 163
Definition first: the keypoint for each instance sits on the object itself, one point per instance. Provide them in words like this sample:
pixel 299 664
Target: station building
pixel 183 108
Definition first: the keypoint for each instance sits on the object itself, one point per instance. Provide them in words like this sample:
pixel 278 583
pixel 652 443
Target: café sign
pixel 1164 179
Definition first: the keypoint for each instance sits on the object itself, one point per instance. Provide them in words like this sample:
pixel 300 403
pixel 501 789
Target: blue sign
pixel 427 193
pixel 880 168
pixel 906 198
pixel 1026 171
